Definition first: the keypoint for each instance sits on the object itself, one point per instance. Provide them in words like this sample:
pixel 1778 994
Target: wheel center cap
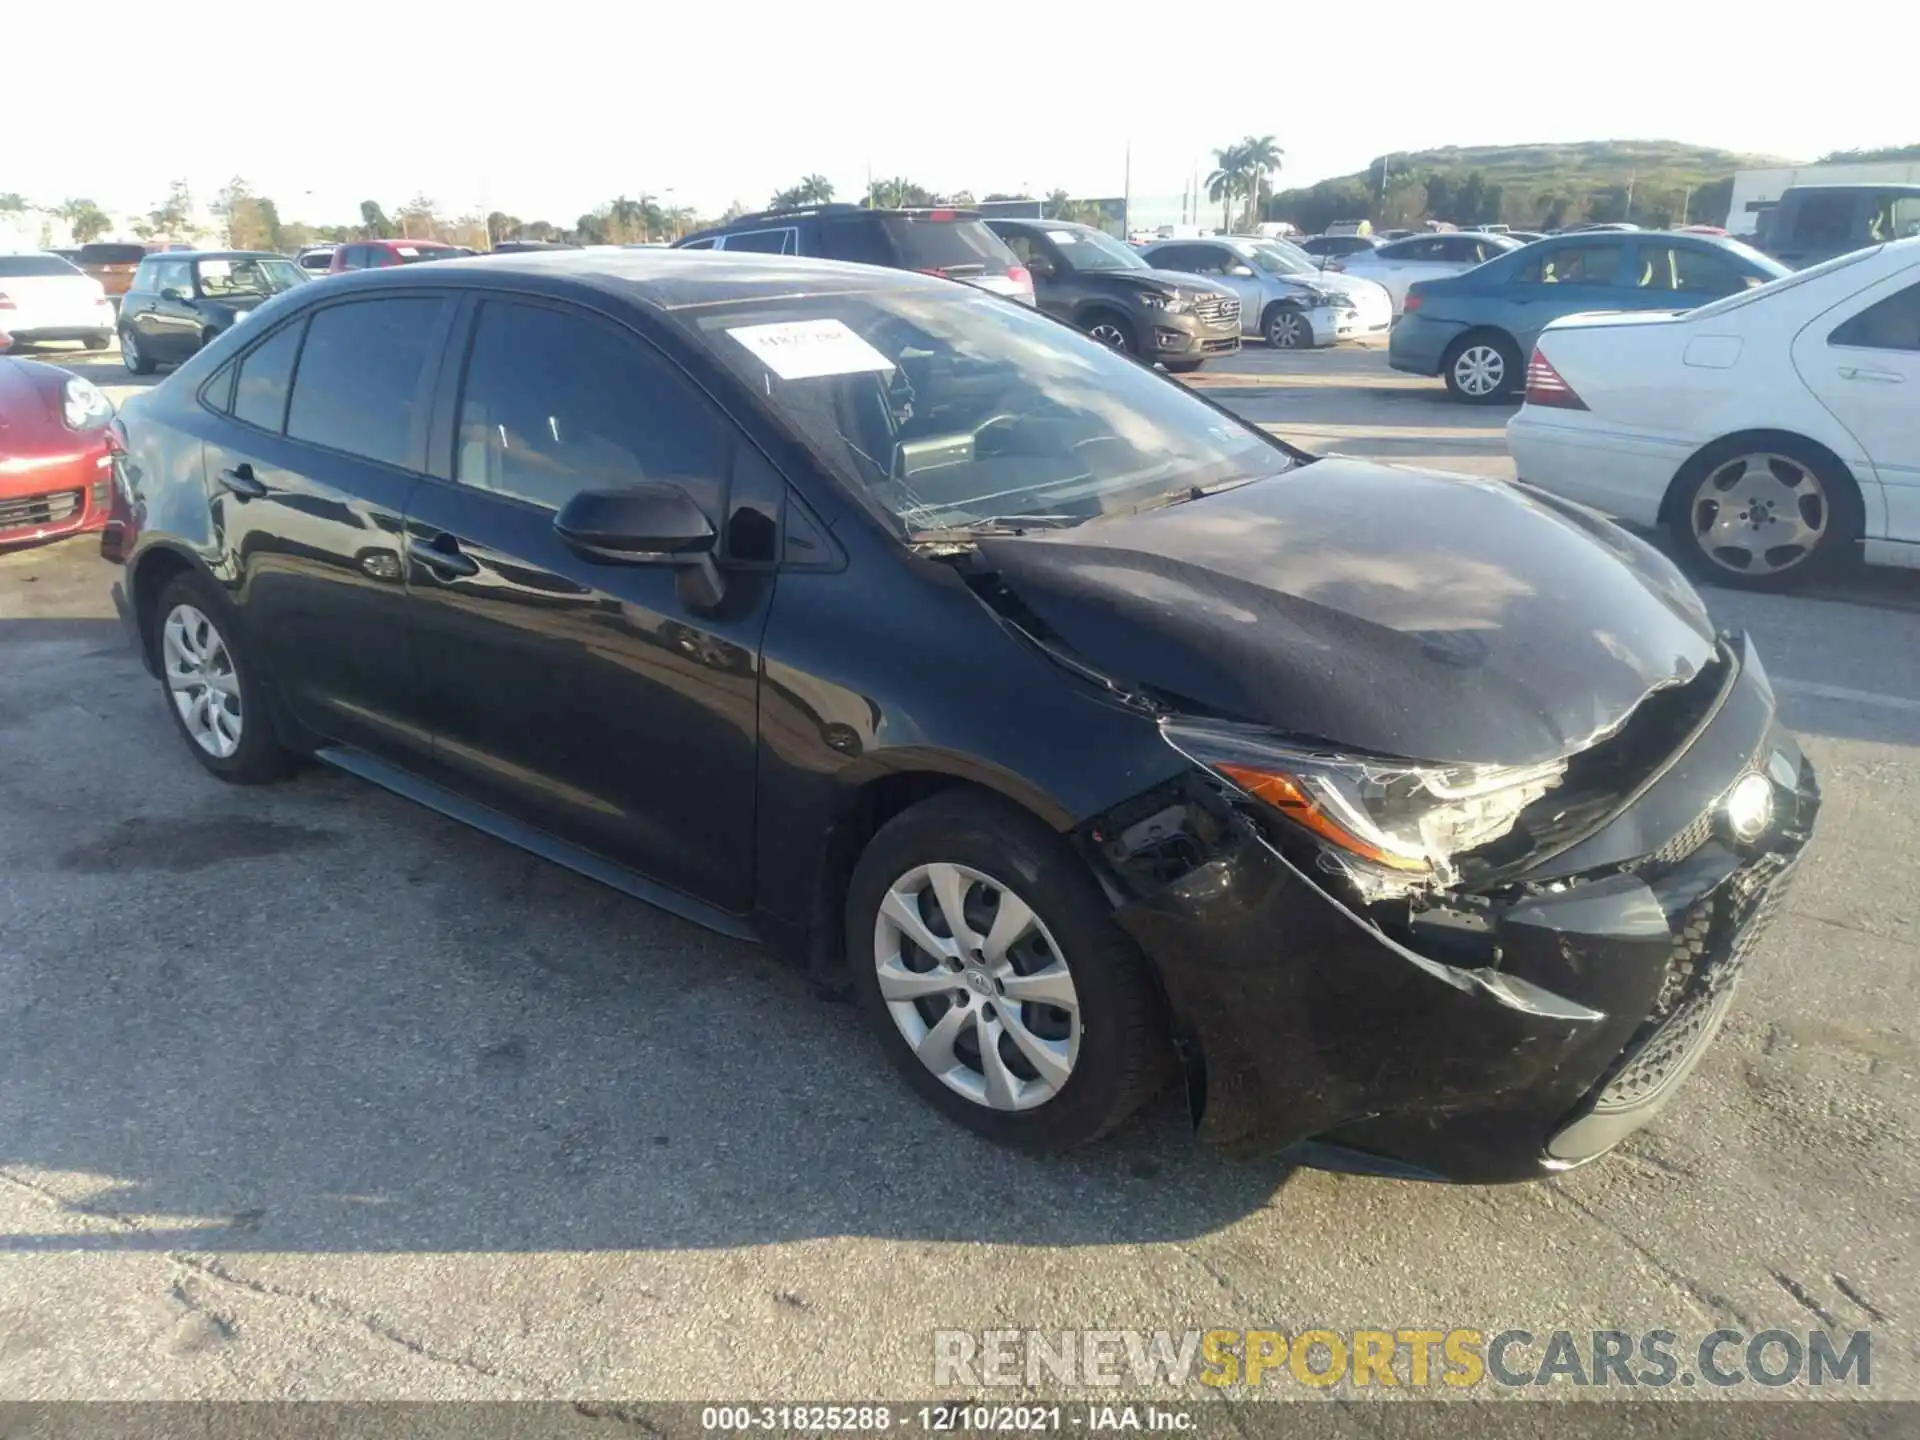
pixel 979 981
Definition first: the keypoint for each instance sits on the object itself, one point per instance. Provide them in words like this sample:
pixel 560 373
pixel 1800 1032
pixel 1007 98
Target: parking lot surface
pixel 308 1092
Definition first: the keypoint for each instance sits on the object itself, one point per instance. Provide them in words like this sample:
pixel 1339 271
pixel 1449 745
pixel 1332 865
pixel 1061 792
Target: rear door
pixel 1057 289
pixel 309 487
pixel 170 326
pixel 1862 359
pixel 604 703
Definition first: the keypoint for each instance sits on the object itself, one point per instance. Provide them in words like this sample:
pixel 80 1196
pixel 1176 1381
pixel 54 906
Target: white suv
pixel 1285 298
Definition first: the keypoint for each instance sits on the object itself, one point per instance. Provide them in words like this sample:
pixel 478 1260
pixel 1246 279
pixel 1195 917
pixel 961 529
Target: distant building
pixel 1757 191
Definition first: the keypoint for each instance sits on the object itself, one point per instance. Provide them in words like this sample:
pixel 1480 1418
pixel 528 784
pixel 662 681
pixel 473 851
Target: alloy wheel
pixel 1109 334
pixel 1480 371
pixel 1759 514
pixel 1288 330
pixel 202 680
pixel 129 350
pixel 977 986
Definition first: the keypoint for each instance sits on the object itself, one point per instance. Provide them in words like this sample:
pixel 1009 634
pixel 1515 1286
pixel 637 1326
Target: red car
pixel 56 468
pixel 373 254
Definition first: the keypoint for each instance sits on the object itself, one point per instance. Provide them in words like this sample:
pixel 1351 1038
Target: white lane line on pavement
pixel 1844 692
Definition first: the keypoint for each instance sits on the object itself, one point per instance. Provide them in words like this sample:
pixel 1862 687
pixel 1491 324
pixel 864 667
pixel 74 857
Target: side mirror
pixel 1040 269
pixel 653 523
pixel 173 294
pixel 1239 272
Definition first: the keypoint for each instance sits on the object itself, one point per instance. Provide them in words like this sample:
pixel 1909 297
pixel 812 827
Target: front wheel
pixel 132 356
pixel 96 342
pixel 990 964
pixel 1289 329
pixel 1113 332
pixel 213 690
pixel 1482 369
pixel 1765 513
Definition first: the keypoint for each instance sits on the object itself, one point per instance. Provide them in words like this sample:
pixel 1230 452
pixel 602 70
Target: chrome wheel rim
pixel 129 351
pixel 1284 333
pixel 1109 334
pixel 202 680
pixel 977 986
pixel 1760 514
pixel 1480 371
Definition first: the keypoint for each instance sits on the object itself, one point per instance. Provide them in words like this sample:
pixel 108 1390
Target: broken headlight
pixel 1393 823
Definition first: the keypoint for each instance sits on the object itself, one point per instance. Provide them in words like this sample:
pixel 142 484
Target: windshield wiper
pixel 1184 494
pixel 990 525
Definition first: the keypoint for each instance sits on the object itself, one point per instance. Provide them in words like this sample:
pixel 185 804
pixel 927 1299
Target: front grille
pixel 1217 309
pixel 1686 842
pixel 34 511
pixel 1710 946
pixel 1221 347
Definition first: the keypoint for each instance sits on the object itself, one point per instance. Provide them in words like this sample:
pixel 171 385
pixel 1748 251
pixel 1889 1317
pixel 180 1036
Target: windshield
pixel 949 411
pixel 1774 287
pixel 1276 261
pixel 414 254
pixel 1096 250
pixel 42 264
pixel 246 278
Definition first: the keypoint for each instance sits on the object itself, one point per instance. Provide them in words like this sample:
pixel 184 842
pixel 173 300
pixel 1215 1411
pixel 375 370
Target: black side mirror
pixel 1040 268
pixel 173 294
pixel 655 523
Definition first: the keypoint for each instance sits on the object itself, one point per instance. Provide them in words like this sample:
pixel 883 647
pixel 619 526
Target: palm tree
pixel 1226 181
pixel 1259 157
pixel 815 190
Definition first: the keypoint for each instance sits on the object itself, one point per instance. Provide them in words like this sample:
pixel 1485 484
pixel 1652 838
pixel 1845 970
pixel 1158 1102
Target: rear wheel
pixel 1000 987
pixel 97 342
pixel 131 354
pixel 1288 328
pixel 1483 368
pixel 213 690
pixel 1764 512
pixel 1113 332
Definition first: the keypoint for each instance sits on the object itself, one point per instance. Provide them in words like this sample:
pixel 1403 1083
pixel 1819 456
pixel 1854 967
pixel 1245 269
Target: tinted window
pixel 260 397
pixel 1824 219
pixel 1423 247
pixel 1684 267
pixel 763 242
pixel 24 265
pixel 926 243
pixel 1893 324
pixel 1174 257
pixel 358 386
pixel 860 241
pixel 555 403
pixel 1202 260
pixel 1580 265
pixel 706 244
pixel 111 254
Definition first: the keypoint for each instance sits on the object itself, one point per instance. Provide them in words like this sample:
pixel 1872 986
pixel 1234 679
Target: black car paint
pixel 171 325
pixel 808 704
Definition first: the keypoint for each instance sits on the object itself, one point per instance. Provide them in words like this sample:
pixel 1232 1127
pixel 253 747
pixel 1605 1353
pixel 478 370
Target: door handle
pixel 442 556
pixel 239 480
pixel 1861 372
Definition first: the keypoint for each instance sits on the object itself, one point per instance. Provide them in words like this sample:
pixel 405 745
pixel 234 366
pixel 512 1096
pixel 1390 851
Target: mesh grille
pixel 37 510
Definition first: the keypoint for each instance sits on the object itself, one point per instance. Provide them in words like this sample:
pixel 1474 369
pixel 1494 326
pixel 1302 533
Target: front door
pixel 309 490
pixel 607 703
pixel 1862 358
pixel 167 326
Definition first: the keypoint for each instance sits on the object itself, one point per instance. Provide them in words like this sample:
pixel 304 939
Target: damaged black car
pixel 1096 740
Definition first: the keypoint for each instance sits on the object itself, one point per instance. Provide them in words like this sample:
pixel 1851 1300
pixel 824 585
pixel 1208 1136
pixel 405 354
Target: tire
pixel 97 342
pixel 1789 507
pixel 1182 367
pixel 1113 331
pixel 132 356
pixel 1286 327
pixel 195 634
pixel 1106 1052
pixel 1483 368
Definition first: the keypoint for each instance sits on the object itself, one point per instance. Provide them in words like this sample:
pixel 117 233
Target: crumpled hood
pixel 1167 280
pixel 1401 612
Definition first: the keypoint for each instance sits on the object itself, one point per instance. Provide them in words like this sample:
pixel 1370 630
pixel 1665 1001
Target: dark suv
pixel 955 244
pixel 1087 278
pixel 1817 222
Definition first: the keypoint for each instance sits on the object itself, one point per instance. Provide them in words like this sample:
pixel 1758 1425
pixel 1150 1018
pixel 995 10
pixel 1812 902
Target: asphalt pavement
pixel 307 1092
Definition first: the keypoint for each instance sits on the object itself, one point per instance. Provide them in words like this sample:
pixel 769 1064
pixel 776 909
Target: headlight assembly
pixel 82 405
pixel 1173 303
pixel 1393 824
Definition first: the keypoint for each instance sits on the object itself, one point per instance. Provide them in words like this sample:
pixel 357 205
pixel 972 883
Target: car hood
pixel 1399 612
pixel 1165 280
pixel 1340 284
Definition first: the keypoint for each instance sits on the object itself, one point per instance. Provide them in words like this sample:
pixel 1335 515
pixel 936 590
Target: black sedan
pixel 180 300
pixel 1088 734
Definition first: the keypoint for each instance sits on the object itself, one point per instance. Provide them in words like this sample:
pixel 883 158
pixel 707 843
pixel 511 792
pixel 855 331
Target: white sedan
pixel 1399 263
pixel 1772 431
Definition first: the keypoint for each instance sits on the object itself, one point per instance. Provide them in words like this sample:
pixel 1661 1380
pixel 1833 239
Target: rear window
pixel 35 265
pixel 413 254
pixel 924 243
pixel 110 254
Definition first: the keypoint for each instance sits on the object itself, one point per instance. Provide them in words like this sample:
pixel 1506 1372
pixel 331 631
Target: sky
pixel 547 110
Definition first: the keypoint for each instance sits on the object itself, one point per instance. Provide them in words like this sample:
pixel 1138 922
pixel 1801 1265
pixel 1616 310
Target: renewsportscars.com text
pixel 1408 1358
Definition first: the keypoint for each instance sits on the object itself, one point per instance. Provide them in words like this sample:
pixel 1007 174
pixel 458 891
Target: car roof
pixel 770 219
pixel 1894 189
pixel 657 279
pixel 216 255
pixel 420 244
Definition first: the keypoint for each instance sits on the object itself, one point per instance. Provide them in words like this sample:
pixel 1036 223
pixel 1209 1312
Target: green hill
pixel 1544 185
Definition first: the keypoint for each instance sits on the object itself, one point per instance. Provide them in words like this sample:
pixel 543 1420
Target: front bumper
pixel 67 322
pixel 1603 975
pixel 1188 336
pixel 46 498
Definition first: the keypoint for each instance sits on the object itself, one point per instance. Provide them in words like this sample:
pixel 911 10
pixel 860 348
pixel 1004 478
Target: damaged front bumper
pixel 1518 1032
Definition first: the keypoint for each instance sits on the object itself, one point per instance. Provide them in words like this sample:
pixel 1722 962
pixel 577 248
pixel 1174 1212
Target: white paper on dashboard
pixel 808 349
